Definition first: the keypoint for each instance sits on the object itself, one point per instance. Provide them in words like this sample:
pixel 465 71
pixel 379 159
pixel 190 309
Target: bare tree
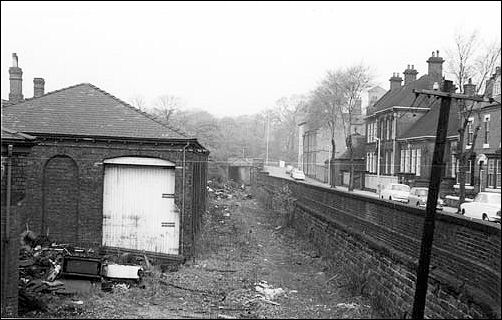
pixel 463 154
pixel 324 107
pixel 138 102
pixel 286 110
pixel 470 59
pixel 486 63
pixel 461 58
pixel 166 106
pixel 354 80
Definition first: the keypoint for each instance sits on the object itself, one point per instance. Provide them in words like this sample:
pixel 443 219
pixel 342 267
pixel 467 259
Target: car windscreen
pixel 488 198
pixel 421 192
pixel 400 188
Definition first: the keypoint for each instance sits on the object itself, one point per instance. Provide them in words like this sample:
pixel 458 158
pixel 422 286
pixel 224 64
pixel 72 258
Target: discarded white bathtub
pixel 121 271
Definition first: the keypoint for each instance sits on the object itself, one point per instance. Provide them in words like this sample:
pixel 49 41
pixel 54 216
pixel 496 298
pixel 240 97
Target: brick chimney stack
pixel 435 67
pixel 469 88
pixel 16 81
pixel 395 81
pixel 38 87
pixel 410 74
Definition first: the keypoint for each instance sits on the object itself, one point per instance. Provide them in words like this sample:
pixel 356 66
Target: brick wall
pixel 465 278
pixel 10 240
pixel 74 170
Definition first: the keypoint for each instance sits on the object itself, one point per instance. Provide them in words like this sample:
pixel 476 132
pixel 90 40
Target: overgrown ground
pixel 242 245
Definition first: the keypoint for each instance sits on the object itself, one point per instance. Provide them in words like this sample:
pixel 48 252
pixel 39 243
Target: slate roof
pixel 427 124
pixel 84 110
pixel 404 96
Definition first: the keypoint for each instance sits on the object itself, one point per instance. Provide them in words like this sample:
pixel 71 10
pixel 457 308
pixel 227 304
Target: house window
pixel 419 155
pixel 497 174
pixel 387 162
pixel 487 131
pixel 413 160
pixel 388 129
pixel 496 87
pixel 401 160
pixel 391 121
pixel 470 132
pixel 454 168
pixel 490 183
pixel 375 162
pixel 407 160
pixel 468 173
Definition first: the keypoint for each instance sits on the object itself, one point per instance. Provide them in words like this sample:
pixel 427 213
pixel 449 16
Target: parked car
pixel 418 197
pixel 297 174
pixel 396 191
pixel 486 206
pixel 289 168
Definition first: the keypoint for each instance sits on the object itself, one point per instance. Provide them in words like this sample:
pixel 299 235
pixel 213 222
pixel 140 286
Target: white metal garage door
pixel 138 205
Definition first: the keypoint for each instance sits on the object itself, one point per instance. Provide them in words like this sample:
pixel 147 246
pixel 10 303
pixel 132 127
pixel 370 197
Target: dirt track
pixel 242 245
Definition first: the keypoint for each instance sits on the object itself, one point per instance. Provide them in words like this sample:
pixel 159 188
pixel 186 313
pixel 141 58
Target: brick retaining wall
pixel 465 278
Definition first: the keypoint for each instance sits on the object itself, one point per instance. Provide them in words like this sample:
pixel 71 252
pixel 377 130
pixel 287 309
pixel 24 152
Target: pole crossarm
pixel 452 95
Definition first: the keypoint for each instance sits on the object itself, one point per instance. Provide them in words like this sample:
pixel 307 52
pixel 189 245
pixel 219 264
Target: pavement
pixel 281 173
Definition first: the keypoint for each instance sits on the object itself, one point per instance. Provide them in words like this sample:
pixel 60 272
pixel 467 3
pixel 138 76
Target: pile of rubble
pixel 48 268
pixel 227 190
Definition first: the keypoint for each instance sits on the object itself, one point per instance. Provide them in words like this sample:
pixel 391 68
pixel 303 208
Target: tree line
pixel 331 105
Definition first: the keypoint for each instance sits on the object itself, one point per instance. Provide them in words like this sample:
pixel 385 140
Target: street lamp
pixel 378 167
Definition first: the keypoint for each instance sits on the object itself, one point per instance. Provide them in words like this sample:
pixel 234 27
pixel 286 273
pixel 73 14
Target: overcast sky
pixel 227 58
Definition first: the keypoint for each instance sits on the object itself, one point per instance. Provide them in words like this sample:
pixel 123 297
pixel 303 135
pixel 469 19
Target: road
pixel 281 172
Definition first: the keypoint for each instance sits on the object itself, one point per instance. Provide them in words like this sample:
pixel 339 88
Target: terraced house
pixel 391 116
pixel 401 128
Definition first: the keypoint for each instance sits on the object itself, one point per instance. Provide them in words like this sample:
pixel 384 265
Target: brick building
pixel 392 116
pixel 315 142
pixel 101 173
pixel 485 165
pixel 15 148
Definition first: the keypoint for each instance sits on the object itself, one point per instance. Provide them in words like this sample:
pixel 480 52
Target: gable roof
pixel 84 110
pixel 404 95
pixel 426 126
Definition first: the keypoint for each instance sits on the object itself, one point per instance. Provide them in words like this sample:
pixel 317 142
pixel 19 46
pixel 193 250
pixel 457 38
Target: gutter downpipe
pixel 183 200
pixel 6 241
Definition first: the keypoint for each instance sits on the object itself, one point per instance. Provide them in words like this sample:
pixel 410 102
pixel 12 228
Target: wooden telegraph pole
pixel 436 172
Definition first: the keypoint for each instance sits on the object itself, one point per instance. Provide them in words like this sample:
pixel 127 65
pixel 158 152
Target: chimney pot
pixel 38 87
pixel 410 75
pixel 14 60
pixel 395 81
pixel 469 88
pixel 16 81
pixel 435 67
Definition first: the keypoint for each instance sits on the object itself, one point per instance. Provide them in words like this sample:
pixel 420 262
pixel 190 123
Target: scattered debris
pixel 268 291
pixel 347 305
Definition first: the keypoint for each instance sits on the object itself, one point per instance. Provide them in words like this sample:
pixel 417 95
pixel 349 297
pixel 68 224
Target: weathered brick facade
pixel 10 238
pixel 465 278
pixel 64 193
